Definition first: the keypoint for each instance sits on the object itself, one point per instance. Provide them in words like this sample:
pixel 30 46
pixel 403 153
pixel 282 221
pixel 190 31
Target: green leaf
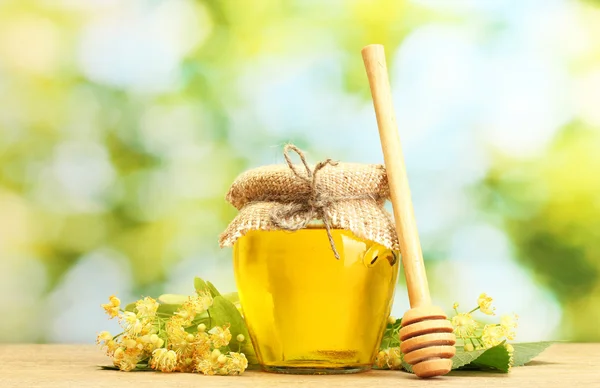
pixel 203 286
pixel 213 290
pixel 233 297
pixel 172 299
pixel 130 307
pixel 495 358
pixel 526 351
pixel 463 358
pixel 224 312
pixel 138 368
pixel 390 335
pixel 407 367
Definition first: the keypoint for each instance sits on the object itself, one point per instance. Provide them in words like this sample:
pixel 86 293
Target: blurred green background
pixel 122 124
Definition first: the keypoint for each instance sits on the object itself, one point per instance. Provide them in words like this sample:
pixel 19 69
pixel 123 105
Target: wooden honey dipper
pixel 426 334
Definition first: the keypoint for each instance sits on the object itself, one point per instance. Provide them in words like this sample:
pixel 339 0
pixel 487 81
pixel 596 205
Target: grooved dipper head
pixel 427 341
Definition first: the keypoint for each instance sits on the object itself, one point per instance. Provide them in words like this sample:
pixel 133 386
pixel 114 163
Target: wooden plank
pixel 575 365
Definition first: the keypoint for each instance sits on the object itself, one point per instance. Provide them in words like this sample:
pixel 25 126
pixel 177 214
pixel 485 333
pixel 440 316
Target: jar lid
pixel 347 196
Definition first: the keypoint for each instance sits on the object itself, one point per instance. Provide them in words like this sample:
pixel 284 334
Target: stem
pixel 475 309
pixel 480 342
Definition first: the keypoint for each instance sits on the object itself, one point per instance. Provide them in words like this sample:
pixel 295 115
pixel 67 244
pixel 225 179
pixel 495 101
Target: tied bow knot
pixel 298 214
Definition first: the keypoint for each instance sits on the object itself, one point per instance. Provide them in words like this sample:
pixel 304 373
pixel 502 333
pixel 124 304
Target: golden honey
pixel 308 312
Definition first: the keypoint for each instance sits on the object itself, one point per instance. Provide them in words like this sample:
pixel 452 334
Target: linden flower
pixel 485 304
pixel 163 360
pixel 237 363
pixel 112 308
pixel 464 325
pixel 220 336
pixel 125 360
pixel 509 324
pixel 103 337
pixel 202 302
pixel 146 308
pixel 196 304
pixel 395 360
pixel 178 338
pixel 207 366
pixel 492 335
pixel 234 364
pixel 130 322
pixel 390 358
pixel 382 358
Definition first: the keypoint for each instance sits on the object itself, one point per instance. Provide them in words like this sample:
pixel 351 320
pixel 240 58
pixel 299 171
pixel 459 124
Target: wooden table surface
pixel 562 365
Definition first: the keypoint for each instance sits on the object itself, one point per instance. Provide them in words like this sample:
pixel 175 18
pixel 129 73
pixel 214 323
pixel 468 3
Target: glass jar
pixel 308 312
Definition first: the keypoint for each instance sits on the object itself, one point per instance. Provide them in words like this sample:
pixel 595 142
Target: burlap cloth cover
pixel 342 195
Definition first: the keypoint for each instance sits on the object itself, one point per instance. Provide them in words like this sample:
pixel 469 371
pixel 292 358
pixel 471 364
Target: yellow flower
pixel 492 335
pixel 196 304
pixel 220 336
pixel 111 347
pixel 201 346
pixel 485 304
pixel 382 358
pixel 509 324
pixel 202 302
pixel 455 305
pixel 469 347
pixel 240 338
pixel 177 337
pixel 127 364
pixel 103 338
pixel 395 359
pixel 390 358
pixel 112 307
pixel 131 324
pixel 237 363
pixel 129 343
pixel 125 360
pixel 221 364
pixel 207 366
pixel 146 308
pixel 464 325
pixel 163 360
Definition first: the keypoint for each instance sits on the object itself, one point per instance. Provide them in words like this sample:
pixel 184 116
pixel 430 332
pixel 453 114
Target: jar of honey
pixel 316 263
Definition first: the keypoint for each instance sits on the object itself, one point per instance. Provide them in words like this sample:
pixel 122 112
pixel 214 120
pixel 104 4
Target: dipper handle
pixel 406 227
